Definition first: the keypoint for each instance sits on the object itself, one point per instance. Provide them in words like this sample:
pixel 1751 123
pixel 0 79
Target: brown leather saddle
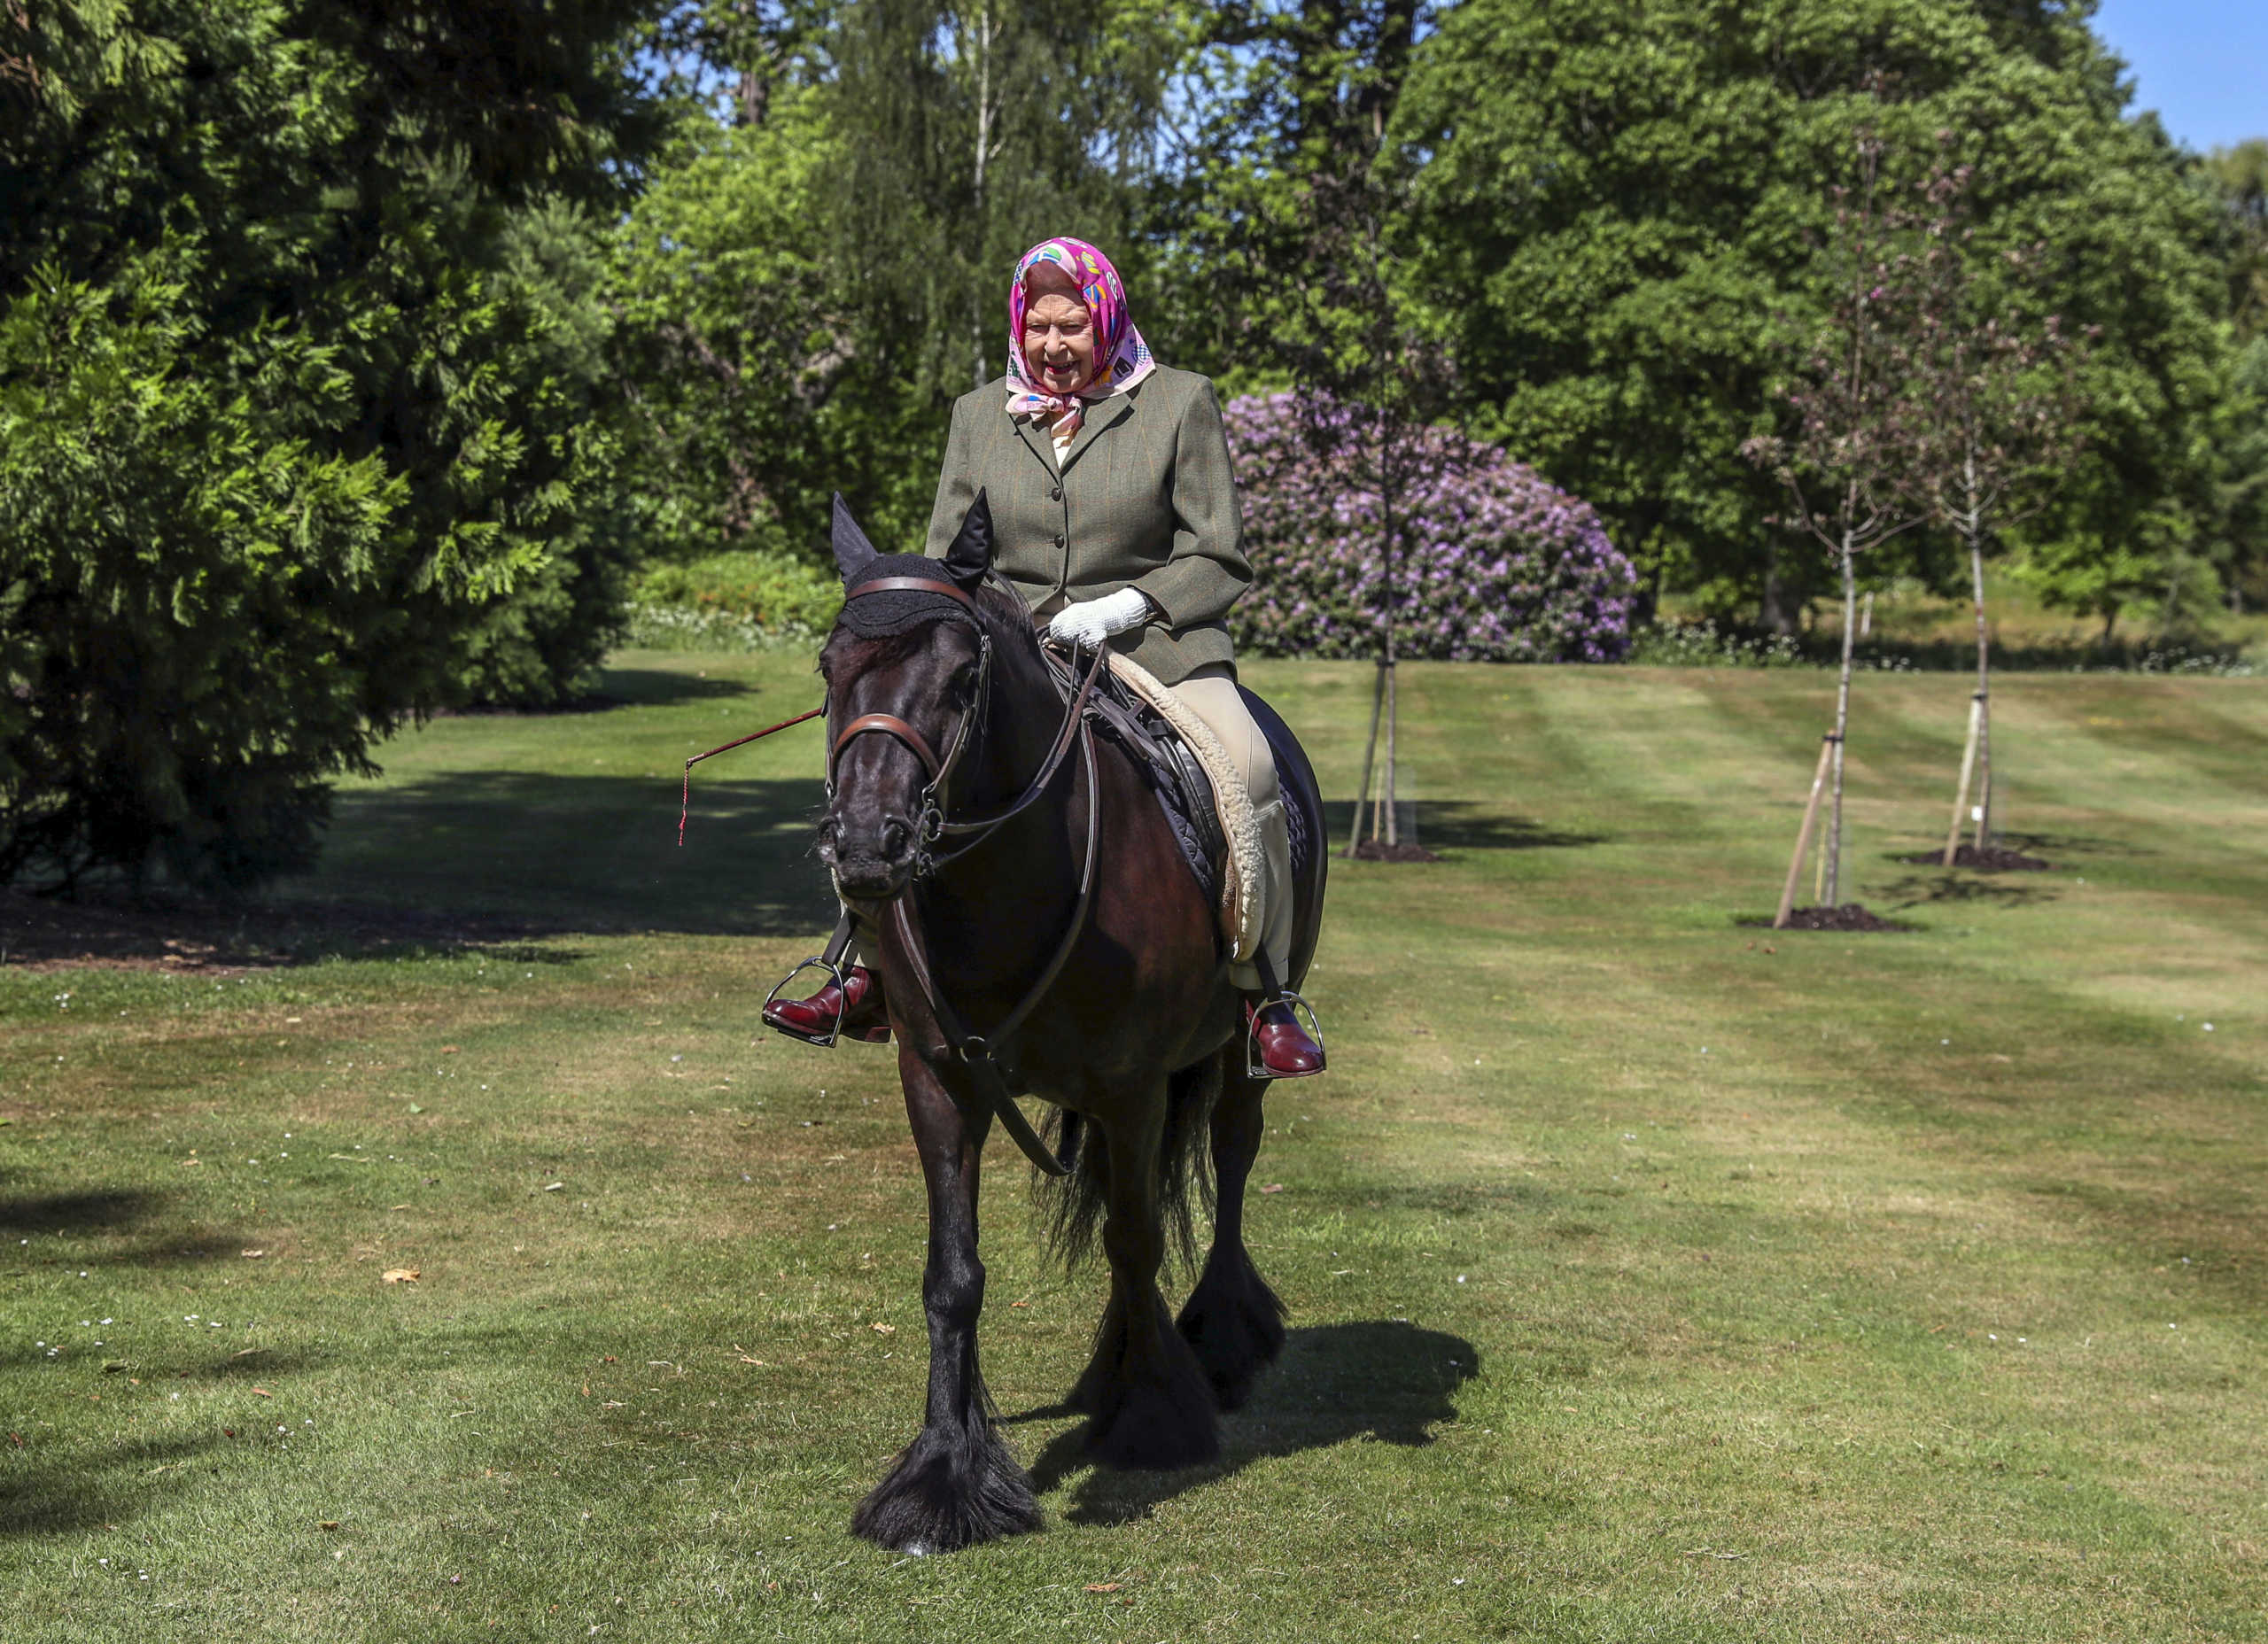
pixel 1177 778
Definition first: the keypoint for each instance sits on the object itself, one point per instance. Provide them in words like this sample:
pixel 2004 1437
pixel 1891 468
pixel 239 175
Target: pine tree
pixel 280 426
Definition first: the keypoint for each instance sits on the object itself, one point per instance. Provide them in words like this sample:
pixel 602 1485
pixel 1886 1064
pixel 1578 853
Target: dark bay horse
pixel 941 709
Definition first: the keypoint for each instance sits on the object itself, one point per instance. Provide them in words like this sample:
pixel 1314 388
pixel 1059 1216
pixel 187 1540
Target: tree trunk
pixel 1369 758
pixel 1984 687
pixel 984 146
pixel 1802 836
pixel 1775 612
pixel 1842 724
pixel 1388 480
pixel 1960 788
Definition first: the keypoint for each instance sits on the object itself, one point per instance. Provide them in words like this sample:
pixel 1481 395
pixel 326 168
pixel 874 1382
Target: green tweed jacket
pixel 1146 499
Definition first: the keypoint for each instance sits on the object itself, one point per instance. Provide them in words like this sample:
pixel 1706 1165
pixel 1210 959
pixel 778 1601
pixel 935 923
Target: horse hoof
pixel 949 1491
pixel 1155 1429
pixel 1234 1324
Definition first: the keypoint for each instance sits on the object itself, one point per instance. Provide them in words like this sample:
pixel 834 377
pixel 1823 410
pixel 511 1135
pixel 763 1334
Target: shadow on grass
pixel 252 1364
pixel 112 1212
pixel 92 1210
pixel 656 687
pixel 559 853
pixel 112 926
pixel 2057 847
pixel 1916 890
pixel 502 860
pixel 1384 1380
pixel 623 687
pixel 75 1491
pixel 1461 824
pixel 2060 845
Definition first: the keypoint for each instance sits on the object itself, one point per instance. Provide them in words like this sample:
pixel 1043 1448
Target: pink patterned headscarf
pixel 1125 358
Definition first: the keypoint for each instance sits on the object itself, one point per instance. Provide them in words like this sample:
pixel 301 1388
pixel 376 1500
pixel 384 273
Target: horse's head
pixel 908 670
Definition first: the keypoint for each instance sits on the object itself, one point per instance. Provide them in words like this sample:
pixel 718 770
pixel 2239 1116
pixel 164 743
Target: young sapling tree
pixel 2000 406
pixel 1849 464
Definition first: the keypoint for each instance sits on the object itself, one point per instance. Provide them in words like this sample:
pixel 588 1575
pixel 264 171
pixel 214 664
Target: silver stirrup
pixel 1254 1068
pixel 817 962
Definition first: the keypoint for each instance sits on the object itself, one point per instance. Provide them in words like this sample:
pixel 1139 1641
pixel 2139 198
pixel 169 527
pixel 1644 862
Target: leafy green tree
pixel 2239 535
pixel 755 390
pixel 1998 410
pixel 539 645
pixel 1618 198
pixel 281 421
pixel 2238 177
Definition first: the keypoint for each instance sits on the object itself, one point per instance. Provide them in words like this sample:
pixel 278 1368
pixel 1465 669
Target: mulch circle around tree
pixel 1378 850
pixel 1991 859
pixel 1851 917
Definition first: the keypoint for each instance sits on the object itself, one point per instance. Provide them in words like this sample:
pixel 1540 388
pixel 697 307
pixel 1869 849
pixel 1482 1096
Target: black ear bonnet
pixel 965 563
pixel 895 611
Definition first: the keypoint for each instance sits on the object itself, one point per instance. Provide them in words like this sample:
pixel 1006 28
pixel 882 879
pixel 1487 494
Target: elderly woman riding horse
pixel 1115 514
pixel 1019 887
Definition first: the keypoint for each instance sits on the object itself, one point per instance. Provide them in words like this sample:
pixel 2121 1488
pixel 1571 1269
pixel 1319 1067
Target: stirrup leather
pixel 1255 1067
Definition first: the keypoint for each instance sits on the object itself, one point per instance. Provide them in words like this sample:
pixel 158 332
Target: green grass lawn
pixel 1651 1276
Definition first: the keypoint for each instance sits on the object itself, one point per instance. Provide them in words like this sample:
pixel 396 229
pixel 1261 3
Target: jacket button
pixel 1055 495
pixel 1059 539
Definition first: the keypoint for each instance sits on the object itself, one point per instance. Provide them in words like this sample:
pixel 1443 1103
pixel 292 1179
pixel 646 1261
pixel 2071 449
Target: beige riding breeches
pixel 1211 694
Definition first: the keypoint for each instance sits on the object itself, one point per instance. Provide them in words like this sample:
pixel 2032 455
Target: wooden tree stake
pixel 1967 771
pixel 1369 759
pixel 1802 836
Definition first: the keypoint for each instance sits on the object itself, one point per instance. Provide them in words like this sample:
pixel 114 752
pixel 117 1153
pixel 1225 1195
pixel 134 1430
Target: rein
pixel 977 1051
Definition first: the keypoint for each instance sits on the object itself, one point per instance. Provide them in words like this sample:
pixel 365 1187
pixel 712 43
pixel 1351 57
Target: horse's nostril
pixel 895 837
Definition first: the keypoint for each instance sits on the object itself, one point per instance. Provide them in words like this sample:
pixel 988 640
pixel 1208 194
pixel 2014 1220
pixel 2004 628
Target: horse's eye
pixel 964 684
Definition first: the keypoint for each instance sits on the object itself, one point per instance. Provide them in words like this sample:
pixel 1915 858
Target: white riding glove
pixel 1091 622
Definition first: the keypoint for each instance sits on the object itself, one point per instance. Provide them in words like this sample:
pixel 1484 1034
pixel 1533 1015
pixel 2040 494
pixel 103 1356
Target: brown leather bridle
pixel 931 824
pixel 979 1051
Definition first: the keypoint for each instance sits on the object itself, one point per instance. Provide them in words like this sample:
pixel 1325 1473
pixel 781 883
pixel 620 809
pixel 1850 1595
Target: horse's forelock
pixel 883 650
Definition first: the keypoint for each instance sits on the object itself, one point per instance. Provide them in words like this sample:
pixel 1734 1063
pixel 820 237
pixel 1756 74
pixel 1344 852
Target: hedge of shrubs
pixel 1497 564
pixel 736 601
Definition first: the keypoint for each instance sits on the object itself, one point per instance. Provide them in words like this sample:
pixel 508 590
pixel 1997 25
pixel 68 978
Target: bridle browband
pixel 978 1051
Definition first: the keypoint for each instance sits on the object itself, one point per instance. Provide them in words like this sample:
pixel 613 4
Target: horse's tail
pixel 1071 1208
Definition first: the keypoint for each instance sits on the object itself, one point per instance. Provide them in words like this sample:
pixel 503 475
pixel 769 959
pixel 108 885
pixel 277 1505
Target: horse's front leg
pixel 957 1484
pixel 1153 1406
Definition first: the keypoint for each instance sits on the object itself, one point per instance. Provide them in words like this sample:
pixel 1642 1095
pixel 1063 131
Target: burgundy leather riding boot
pixel 1286 1050
pixel 857 1005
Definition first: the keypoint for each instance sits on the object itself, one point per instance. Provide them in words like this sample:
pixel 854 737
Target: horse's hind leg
pixel 957 1484
pixel 1153 1407
pixel 1232 1321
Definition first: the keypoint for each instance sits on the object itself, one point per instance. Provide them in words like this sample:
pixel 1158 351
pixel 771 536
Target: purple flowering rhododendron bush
pixel 1494 563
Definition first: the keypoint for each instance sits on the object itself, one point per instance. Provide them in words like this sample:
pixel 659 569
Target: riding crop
pixel 686 802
